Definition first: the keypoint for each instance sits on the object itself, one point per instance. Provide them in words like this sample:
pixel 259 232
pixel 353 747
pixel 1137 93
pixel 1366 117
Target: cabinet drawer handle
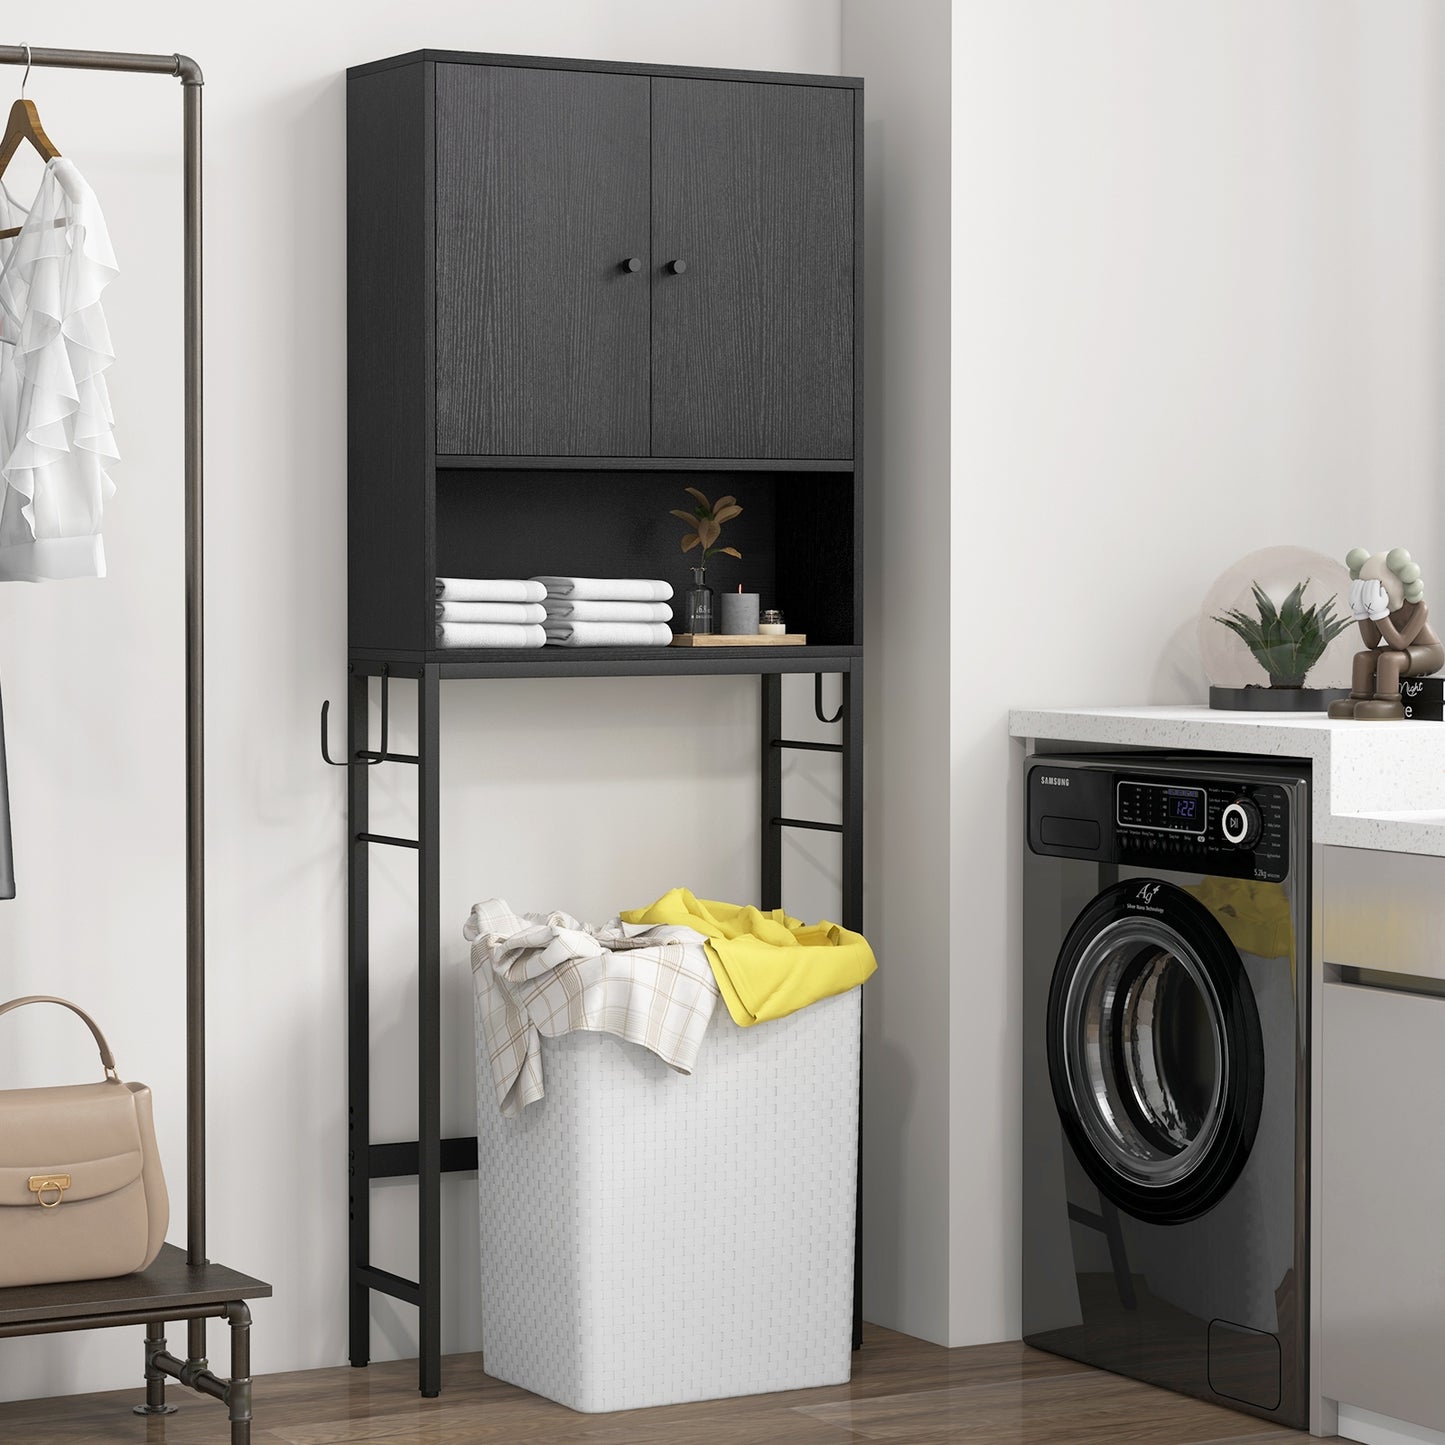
pixel 632 263
pixel 677 267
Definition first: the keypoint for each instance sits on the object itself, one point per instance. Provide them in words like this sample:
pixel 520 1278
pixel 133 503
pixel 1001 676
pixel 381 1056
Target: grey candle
pixel 739 613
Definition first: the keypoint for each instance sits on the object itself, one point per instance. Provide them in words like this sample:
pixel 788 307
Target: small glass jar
pixel 770 624
pixel 697 605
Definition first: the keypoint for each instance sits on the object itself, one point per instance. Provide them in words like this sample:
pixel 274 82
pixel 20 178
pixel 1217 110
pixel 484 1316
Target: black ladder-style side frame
pixel 179 1284
pixel 429 1156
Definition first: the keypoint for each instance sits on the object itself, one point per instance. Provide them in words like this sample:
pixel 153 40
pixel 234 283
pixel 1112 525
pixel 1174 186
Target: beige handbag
pixel 82 1195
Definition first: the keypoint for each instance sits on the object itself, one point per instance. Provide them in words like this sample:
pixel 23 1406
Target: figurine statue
pixel 1387 599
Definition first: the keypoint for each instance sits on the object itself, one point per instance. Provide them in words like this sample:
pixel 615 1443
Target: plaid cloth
pixel 549 974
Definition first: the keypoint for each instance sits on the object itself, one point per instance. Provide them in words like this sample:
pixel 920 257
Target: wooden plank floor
pixel 903 1391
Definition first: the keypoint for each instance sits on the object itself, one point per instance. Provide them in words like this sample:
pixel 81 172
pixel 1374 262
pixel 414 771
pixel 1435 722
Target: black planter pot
pixel 1275 699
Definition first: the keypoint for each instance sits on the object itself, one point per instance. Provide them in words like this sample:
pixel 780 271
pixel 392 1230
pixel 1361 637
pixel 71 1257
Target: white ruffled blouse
pixel 56 444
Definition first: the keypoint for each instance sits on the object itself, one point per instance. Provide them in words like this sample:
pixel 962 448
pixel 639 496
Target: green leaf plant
pixel 1289 639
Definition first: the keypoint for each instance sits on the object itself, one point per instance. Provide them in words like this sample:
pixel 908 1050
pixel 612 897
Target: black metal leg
pixel 853 918
pixel 238 1390
pixel 155 1380
pixel 850 714
pixel 358 1015
pixel 853 798
pixel 429 1133
pixel 770 890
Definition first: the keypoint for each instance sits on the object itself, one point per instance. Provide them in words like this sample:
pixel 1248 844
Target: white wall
pixel 92 675
pixel 1198 270
pixel 902 51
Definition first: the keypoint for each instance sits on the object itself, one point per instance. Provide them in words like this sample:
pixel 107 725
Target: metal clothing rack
pixel 180 1285
pixel 427 1157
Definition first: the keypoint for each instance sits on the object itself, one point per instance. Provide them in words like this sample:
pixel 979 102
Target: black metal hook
pixel 818 702
pixel 381 752
pixel 325 750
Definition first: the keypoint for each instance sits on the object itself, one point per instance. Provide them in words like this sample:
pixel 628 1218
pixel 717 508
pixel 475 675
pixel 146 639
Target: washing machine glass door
pixel 1155 1051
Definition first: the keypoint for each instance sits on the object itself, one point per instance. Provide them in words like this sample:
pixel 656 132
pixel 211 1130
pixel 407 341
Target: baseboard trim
pixel 1373 1429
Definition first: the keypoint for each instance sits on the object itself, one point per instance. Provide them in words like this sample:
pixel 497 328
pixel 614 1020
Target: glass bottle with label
pixel 697 605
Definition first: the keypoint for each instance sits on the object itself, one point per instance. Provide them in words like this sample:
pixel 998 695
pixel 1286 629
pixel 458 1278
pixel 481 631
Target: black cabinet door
pixel 541 201
pixel 752 343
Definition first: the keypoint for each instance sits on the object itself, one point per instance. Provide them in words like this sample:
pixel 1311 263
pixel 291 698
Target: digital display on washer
pixel 1183 804
pixel 1162 808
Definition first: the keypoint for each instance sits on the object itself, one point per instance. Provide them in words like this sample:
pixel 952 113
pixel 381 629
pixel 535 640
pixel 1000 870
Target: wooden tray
pixel 740 639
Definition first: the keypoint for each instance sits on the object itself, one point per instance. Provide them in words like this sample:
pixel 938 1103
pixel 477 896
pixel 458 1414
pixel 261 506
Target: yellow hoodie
pixel 767 964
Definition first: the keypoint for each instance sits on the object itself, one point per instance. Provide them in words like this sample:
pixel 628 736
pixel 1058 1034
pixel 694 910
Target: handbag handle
pixel 106 1057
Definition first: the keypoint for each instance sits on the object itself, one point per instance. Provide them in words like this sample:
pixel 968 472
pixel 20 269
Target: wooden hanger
pixel 24 124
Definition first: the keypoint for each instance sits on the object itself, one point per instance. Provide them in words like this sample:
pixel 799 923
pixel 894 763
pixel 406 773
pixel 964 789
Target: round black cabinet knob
pixel 632 263
pixel 677 267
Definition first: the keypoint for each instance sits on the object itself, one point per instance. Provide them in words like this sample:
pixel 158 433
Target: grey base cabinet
pixel 1382 1211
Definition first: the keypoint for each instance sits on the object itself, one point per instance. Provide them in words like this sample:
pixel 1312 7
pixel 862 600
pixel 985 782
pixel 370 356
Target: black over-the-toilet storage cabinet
pixel 575 288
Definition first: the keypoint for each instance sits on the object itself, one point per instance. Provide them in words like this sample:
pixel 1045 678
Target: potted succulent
pixel 706 522
pixel 1286 640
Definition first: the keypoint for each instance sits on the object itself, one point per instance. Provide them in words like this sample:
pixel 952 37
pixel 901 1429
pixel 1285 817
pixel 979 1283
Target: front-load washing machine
pixel 1165 1105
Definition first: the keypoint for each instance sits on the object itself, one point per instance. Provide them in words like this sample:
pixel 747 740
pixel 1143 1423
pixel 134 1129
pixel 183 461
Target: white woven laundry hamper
pixel 650 1238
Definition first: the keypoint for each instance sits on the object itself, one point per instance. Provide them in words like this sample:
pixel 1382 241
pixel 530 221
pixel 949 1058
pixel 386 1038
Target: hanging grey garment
pixel 56 442
pixel 547 974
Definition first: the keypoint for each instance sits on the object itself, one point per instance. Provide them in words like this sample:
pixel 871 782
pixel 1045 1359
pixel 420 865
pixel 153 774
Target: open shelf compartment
pixel 798 535
pixel 795 533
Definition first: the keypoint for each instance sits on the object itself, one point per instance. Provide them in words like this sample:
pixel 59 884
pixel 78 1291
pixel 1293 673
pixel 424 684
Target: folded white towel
pixel 607 589
pixel 564 633
pixel 489 634
pixel 567 608
pixel 491 612
pixel 488 589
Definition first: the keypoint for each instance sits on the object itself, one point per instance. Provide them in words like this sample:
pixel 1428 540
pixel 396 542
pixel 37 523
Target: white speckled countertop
pixel 1376 785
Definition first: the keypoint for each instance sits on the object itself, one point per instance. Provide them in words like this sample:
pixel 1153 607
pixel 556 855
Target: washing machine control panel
pixel 1236 828
pixel 1162 808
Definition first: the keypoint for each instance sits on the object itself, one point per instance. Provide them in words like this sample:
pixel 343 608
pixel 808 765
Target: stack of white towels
pixel 606 611
pixel 490 612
